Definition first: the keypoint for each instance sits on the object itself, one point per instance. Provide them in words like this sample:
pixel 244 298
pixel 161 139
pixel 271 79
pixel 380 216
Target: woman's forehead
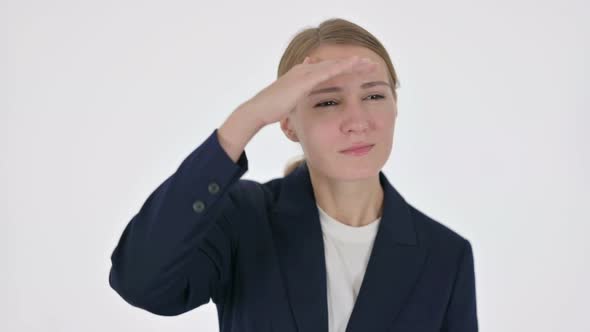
pixel 328 52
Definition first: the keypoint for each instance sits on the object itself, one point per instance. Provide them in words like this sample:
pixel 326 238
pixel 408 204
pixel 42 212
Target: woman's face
pixel 326 123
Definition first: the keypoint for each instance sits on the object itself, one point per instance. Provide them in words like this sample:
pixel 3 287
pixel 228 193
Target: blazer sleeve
pixel 461 315
pixel 176 253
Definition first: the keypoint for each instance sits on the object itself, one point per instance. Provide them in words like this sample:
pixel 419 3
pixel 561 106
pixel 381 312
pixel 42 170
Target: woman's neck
pixel 354 203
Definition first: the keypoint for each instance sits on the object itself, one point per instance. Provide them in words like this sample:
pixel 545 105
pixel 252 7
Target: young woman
pixel 332 245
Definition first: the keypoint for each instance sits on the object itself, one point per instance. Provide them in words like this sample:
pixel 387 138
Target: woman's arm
pixel 176 253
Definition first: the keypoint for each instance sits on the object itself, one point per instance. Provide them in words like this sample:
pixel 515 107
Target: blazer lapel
pixel 394 265
pixel 300 250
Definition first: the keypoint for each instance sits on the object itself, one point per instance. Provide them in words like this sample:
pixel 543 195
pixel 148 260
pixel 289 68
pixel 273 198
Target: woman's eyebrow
pixel 336 88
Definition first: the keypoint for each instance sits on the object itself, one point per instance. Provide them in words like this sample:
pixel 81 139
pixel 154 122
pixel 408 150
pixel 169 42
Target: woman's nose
pixel 356 117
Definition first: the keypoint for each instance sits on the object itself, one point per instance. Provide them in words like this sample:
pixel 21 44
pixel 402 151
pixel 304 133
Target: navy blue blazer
pixel 257 251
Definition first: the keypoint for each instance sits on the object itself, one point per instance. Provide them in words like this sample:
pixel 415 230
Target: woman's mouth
pixel 358 151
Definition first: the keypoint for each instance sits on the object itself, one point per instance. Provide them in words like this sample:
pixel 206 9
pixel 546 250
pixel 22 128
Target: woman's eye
pixel 324 104
pixel 380 96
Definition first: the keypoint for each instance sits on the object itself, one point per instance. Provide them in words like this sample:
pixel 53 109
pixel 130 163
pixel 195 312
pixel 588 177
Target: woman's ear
pixel 287 129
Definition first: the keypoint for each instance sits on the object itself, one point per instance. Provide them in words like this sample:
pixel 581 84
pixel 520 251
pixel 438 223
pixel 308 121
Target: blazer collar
pixel 395 263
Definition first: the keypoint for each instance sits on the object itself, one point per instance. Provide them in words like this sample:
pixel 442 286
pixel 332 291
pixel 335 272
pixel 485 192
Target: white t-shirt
pixel 347 250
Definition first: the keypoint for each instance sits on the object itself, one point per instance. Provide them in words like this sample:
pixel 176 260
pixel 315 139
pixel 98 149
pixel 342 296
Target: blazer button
pixel 213 188
pixel 198 206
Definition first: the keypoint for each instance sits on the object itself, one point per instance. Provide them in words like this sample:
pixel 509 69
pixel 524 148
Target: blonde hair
pixel 331 31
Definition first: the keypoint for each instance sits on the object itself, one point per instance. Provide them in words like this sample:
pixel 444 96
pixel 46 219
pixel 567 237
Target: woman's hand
pixel 277 100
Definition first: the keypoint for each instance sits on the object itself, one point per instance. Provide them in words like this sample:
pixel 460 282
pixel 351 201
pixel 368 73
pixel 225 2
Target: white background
pixel 100 102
